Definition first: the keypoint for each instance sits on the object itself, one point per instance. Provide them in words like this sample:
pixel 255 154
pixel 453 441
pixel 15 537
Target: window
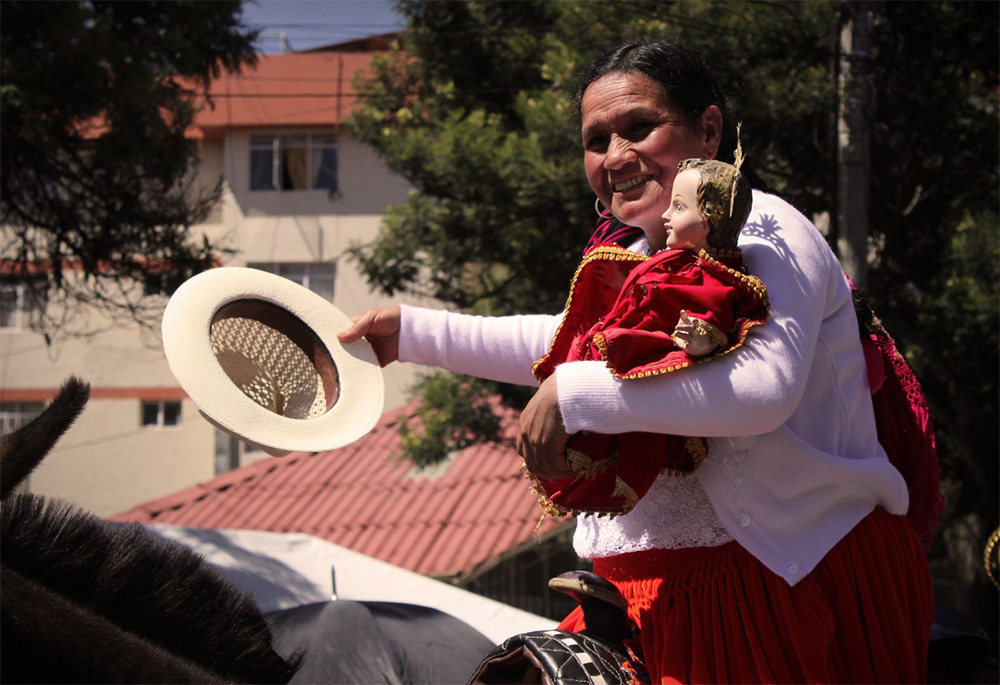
pixel 21 304
pixel 13 415
pixel 316 276
pixel 299 162
pixel 231 452
pixel 162 283
pixel 161 413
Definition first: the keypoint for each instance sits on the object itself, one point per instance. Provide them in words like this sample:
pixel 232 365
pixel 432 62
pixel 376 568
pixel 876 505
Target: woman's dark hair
pixel 687 81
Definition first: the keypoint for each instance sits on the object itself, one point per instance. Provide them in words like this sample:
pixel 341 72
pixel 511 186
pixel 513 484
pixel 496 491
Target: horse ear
pixel 22 450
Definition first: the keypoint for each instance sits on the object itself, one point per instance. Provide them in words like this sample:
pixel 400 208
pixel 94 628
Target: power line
pixel 330 25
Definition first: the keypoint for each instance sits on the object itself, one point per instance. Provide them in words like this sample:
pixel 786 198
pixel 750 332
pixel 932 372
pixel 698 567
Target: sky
pixel 305 24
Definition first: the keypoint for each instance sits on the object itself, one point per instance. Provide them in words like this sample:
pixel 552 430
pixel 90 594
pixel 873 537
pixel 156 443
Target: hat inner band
pixel 274 358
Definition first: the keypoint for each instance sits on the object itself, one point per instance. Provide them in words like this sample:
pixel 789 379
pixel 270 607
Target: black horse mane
pixel 84 599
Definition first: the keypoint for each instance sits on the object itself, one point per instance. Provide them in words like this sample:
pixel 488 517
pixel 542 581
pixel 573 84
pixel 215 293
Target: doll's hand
pixel 691 338
pixel 380 326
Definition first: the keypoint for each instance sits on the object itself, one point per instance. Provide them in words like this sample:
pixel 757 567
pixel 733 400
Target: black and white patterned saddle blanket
pixel 559 657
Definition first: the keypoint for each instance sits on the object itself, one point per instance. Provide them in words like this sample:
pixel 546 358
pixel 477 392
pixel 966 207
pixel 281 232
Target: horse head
pixel 86 600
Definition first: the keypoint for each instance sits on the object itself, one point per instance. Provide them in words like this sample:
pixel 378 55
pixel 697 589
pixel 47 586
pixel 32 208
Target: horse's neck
pixel 159 591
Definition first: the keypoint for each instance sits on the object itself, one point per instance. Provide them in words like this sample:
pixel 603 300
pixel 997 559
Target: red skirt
pixel 717 615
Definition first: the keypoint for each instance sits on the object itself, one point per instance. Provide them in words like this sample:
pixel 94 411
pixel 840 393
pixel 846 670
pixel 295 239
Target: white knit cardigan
pixel 794 462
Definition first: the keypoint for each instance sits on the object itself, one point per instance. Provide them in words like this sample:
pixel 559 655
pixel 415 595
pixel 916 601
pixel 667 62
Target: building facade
pixel 297 193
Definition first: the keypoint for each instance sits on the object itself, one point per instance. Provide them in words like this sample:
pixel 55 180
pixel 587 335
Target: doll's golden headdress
pixel 724 196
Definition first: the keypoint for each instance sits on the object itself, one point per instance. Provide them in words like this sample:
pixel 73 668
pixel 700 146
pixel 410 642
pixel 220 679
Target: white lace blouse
pixel 674 514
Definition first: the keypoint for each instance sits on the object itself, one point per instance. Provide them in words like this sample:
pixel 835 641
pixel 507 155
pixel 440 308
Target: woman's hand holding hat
pixel 380 326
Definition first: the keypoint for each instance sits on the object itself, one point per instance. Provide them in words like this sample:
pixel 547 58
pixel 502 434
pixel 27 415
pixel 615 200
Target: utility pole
pixel 854 139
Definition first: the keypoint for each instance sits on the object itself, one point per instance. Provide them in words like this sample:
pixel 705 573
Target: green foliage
pixel 953 346
pixel 482 122
pixel 497 219
pixel 454 413
pixel 935 234
pixel 96 167
pixel 935 147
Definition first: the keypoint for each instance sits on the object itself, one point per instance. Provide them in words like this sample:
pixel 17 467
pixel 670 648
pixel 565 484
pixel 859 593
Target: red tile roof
pixel 302 89
pixel 437 523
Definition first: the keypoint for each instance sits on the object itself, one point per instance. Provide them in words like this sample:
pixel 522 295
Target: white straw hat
pixel 259 356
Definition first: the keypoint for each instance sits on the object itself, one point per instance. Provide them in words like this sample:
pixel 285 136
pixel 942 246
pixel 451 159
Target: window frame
pixel 13 415
pixel 309 275
pixel 275 150
pixel 161 415
pixel 29 302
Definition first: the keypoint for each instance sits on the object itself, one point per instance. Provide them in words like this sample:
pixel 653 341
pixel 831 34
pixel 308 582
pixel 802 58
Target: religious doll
pixel 647 315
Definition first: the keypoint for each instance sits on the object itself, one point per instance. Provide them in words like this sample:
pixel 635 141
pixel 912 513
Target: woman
pixel 650 315
pixel 786 558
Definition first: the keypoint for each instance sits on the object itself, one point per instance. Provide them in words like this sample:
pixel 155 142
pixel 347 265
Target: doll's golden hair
pixel 724 199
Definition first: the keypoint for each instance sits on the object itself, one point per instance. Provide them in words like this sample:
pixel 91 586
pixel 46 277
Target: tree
pixel 465 123
pixel 482 122
pixel 96 183
pixel 474 123
pixel 478 115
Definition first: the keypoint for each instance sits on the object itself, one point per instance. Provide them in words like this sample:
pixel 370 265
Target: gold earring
pixel 597 207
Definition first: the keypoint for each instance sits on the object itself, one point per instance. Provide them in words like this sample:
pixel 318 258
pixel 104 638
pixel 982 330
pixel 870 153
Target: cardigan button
pixel 745 519
pixel 792 568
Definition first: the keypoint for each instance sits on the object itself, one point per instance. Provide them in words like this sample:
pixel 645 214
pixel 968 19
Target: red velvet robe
pixel 630 330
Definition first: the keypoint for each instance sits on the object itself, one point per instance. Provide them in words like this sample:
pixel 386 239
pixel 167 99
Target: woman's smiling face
pixel 633 141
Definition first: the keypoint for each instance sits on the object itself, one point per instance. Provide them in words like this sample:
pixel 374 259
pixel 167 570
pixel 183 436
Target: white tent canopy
pixel 283 570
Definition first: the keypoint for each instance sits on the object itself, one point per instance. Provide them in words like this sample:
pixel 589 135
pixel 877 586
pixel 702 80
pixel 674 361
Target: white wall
pixel 107 462
pixel 120 358
pixel 312 226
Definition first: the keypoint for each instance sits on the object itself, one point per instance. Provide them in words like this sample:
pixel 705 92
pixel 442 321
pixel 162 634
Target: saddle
pixel 607 652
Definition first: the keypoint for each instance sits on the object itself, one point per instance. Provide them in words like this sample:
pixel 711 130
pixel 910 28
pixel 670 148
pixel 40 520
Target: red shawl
pixel 905 429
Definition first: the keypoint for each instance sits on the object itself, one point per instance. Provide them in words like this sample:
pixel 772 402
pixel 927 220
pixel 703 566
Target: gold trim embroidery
pixel 697 449
pixel 710 257
pixel 752 282
pixel 586 467
pixel 622 489
pixel 605 252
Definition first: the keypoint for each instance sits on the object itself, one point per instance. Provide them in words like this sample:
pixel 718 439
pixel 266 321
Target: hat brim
pixel 187 342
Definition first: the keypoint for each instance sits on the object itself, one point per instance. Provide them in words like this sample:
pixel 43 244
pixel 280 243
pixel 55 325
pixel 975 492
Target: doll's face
pixel 686 228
